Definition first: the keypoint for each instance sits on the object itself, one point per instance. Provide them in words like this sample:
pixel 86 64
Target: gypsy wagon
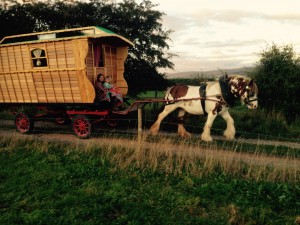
pixel 54 72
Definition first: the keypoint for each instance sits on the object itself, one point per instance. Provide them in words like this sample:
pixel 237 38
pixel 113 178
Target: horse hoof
pixel 185 135
pixel 206 138
pixel 153 132
pixel 229 135
pixel 229 138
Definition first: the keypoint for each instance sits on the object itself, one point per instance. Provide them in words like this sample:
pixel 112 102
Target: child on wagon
pixel 112 92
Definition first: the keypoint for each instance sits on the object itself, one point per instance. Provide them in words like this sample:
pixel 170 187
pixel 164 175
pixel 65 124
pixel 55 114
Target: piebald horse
pixel 211 99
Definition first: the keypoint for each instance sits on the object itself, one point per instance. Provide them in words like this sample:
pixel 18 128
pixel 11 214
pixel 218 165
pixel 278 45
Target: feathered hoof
pixel 206 138
pixel 185 135
pixel 228 136
pixel 153 132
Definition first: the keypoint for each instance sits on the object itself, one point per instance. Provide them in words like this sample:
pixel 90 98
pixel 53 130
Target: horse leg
pixel 167 110
pixel 181 130
pixel 229 133
pixel 205 136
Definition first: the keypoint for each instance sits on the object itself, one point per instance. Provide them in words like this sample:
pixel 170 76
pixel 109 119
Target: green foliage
pixel 44 183
pixel 138 22
pixel 186 81
pixel 278 78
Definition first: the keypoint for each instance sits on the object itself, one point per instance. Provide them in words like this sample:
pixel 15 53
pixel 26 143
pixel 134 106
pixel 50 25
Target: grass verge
pixel 52 183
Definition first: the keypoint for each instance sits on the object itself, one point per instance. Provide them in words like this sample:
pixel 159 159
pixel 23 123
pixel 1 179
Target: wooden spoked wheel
pixel 112 123
pixel 24 124
pixel 82 126
pixel 61 121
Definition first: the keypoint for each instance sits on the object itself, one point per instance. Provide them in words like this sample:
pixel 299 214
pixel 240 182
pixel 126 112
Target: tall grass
pixel 119 181
pixel 199 161
pixel 194 159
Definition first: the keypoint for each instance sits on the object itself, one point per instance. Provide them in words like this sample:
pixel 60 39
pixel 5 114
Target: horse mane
pixel 254 88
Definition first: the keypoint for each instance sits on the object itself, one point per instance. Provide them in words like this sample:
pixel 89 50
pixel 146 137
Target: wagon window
pixel 99 59
pixel 38 57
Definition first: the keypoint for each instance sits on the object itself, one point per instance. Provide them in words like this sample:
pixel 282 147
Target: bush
pixel 277 76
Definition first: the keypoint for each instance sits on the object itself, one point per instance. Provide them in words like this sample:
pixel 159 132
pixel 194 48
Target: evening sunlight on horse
pixel 211 99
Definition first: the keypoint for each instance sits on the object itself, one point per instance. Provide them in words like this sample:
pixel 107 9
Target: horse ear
pixel 226 76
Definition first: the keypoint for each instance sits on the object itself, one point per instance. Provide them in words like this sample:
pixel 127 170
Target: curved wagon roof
pixel 74 33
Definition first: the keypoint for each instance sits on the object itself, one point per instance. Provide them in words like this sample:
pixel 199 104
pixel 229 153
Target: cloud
pixel 208 34
pixel 284 18
pixel 225 16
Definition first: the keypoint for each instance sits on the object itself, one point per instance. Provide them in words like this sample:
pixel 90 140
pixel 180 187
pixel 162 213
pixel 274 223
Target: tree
pixel 278 77
pixel 140 23
pixel 148 54
pixel 15 20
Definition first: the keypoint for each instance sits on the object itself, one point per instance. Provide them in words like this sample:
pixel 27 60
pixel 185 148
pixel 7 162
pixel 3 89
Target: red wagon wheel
pixel 82 126
pixel 23 123
pixel 62 121
pixel 112 120
pixel 112 123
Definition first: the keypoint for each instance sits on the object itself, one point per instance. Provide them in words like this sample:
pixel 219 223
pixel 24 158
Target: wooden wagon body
pixel 60 66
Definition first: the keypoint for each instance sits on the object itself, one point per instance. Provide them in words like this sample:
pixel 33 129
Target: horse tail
pixel 168 96
pixel 167 93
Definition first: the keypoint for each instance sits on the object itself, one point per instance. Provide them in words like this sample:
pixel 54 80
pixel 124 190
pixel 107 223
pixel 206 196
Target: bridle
pixel 249 91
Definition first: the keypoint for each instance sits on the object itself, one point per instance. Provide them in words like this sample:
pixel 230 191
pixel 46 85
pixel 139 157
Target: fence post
pixel 140 125
pixel 155 103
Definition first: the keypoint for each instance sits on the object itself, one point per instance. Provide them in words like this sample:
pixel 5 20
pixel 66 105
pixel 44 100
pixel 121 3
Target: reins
pixel 189 99
pixel 252 100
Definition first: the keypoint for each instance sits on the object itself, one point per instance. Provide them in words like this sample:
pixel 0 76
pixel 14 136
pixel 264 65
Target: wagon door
pixel 109 60
pixel 98 60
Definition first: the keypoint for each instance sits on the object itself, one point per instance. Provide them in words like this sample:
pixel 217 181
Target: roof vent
pixel 46 36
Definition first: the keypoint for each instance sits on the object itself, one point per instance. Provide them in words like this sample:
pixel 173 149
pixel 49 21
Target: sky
pixel 226 34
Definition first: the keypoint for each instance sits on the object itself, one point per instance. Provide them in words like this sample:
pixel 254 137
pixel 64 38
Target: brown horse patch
pixel 238 85
pixel 218 108
pixel 178 91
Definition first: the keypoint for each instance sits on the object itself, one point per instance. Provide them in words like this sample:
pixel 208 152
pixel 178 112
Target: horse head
pixel 244 88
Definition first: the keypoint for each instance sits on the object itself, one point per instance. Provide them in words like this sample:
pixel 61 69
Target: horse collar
pixel 202 91
pixel 227 95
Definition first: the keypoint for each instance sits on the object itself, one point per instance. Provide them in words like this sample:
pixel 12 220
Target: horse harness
pixel 202 91
pixel 226 98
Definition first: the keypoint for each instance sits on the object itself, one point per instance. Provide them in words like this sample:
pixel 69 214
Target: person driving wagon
pixel 99 88
pixel 107 92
